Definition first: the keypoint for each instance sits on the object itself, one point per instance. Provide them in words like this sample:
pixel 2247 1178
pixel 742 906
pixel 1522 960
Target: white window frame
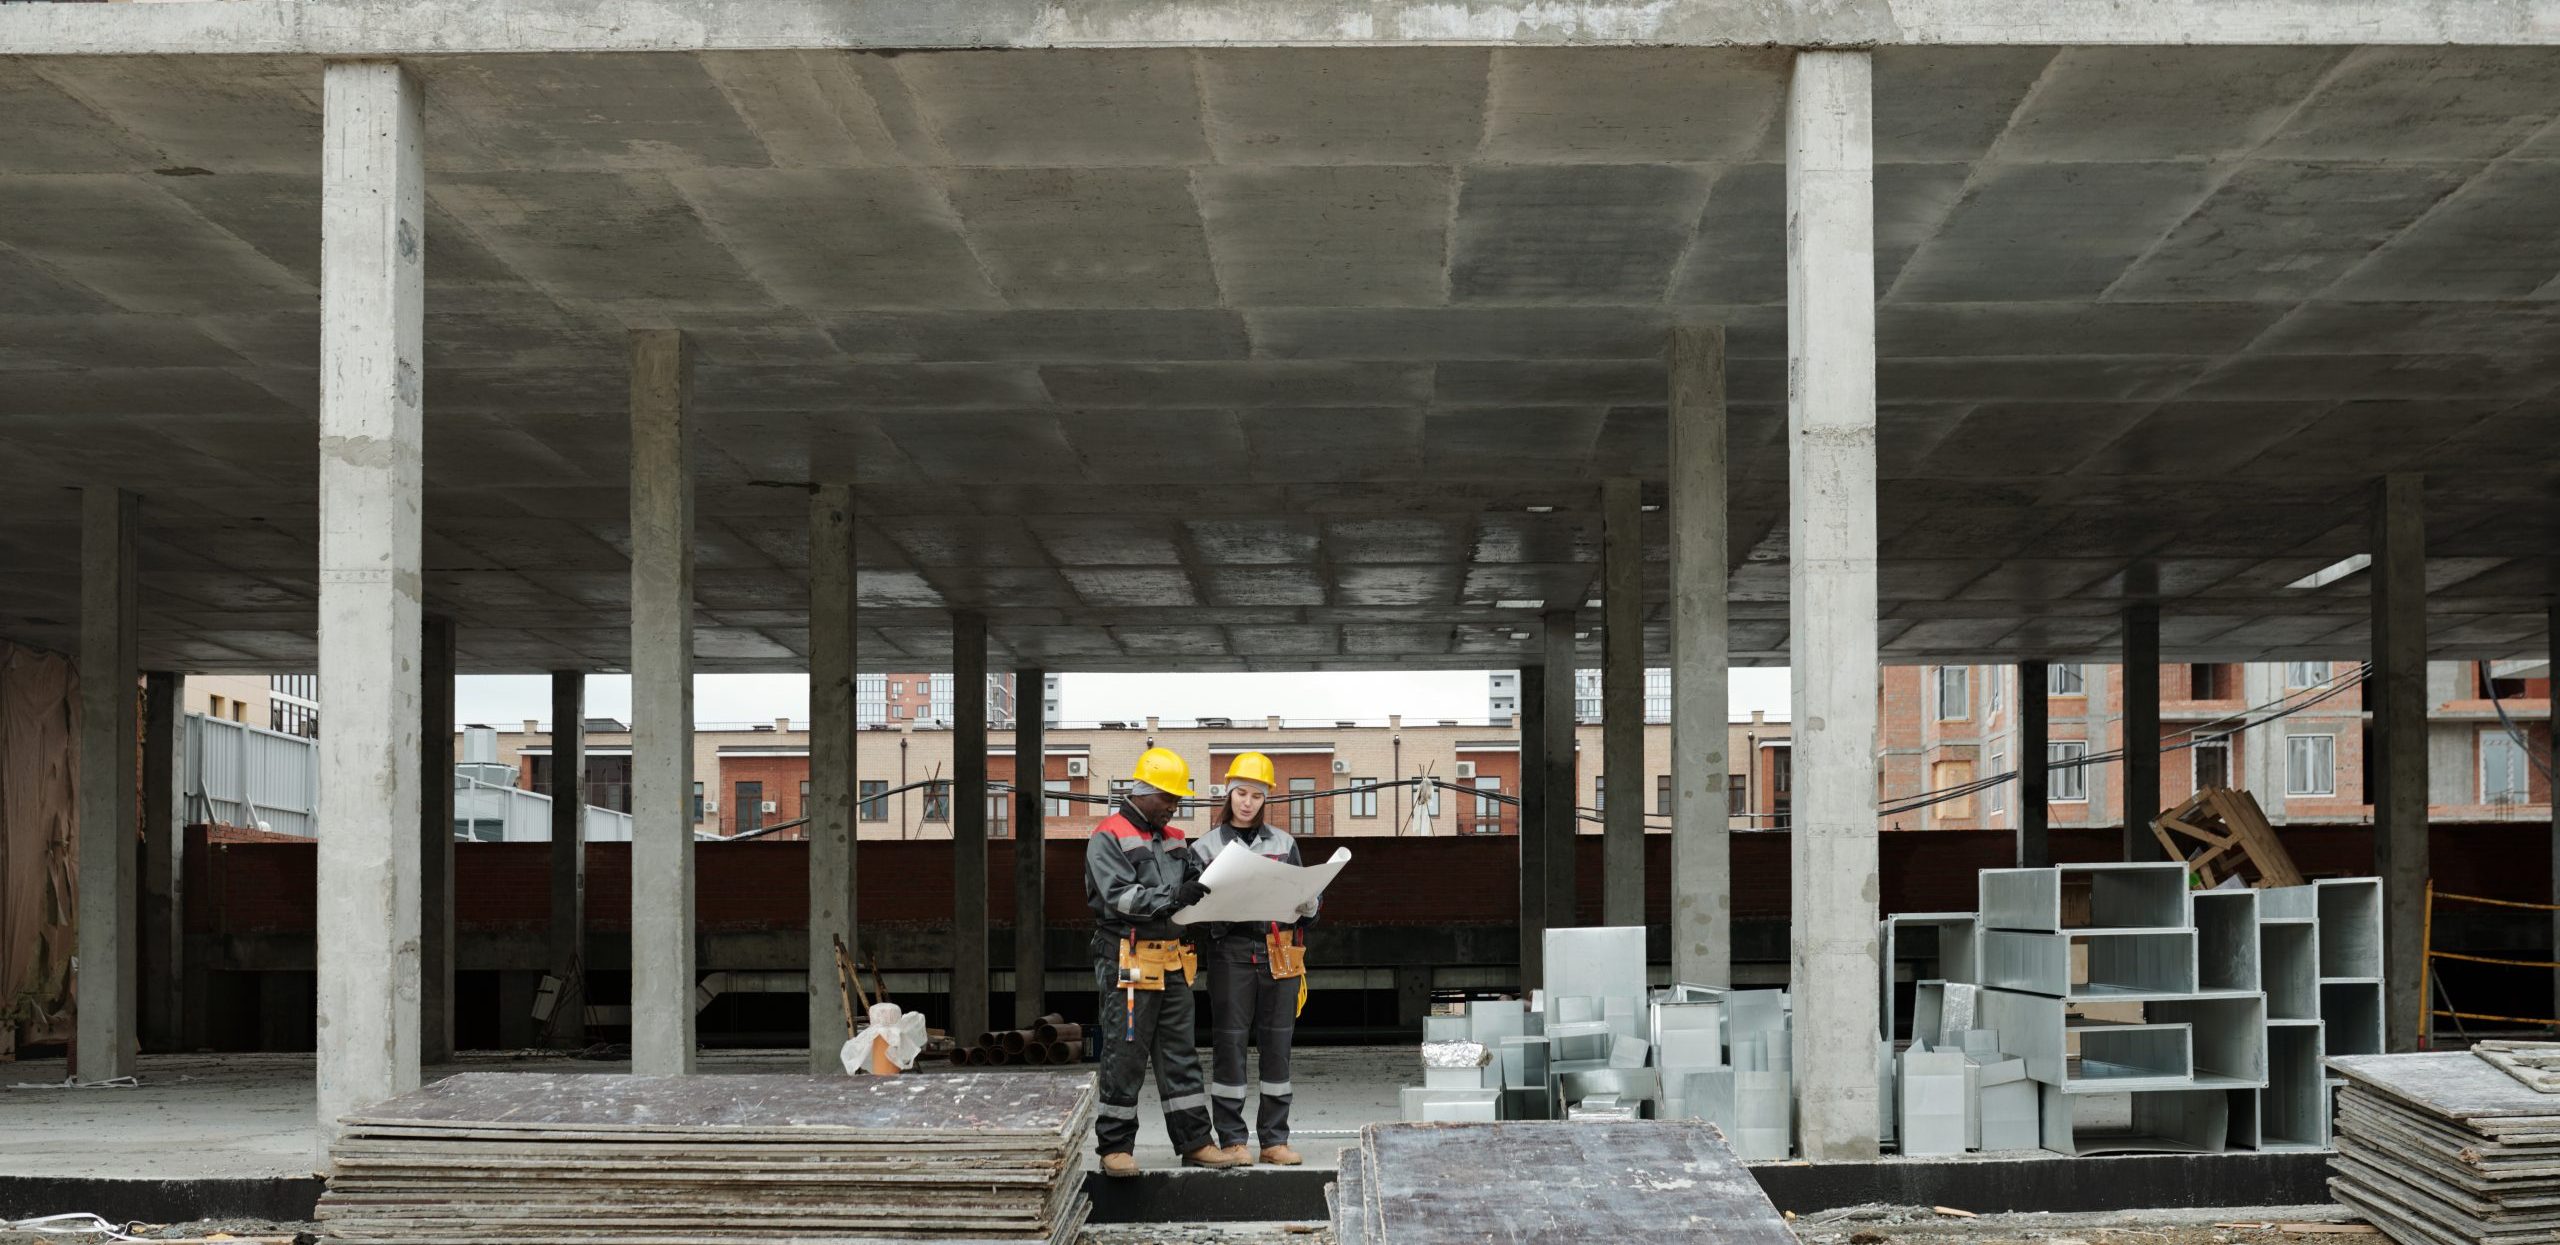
pixel 2072 671
pixel 1997 802
pixel 1995 685
pixel 2522 768
pixel 2069 785
pixel 1964 693
pixel 2308 783
pixel 2306 673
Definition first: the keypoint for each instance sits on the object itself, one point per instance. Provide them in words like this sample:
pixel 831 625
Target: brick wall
pixel 778 779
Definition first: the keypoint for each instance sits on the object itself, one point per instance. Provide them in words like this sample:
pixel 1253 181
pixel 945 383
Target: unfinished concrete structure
pixel 1172 335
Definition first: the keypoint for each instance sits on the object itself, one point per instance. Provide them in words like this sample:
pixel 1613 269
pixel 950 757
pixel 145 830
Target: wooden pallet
pixel 2222 833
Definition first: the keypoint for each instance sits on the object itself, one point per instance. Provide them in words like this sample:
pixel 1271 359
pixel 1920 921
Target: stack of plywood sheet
pixel 597 1160
pixel 2444 1149
pixel 1647 1180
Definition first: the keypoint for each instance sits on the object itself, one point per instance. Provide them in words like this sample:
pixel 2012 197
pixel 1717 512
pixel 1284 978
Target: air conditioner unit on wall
pixel 1342 767
pixel 711 806
pixel 770 806
pixel 1466 769
pixel 1078 767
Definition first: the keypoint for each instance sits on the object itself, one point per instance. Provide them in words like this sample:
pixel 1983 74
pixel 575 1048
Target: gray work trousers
pixel 1247 1002
pixel 1166 1031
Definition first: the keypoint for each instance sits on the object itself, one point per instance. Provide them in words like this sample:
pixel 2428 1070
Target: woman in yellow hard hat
pixel 1255 971
pixel 1139 871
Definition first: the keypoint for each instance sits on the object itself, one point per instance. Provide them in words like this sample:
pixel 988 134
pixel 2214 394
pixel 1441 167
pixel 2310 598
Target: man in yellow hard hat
pixel 1255 971
pixel 1138 871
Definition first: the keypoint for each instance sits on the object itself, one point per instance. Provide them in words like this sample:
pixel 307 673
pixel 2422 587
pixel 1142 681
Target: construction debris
pixel 537 1159
pixel 2225 834
pixel 1654 1181
pixel 2444 1149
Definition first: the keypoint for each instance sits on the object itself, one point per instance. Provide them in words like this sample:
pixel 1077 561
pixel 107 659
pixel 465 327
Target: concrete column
pixel 1622 703
pixel 110 933
pixel 2139 728
pixel 1701 822
pixel 1030 852
pixel 1533 822
pixel 1831 470
pixel 372 303
pixel 566 958
pixel 163 959
pixel 831 732
pixel 2397 695
pixel 1562 825
pixel 969 933
pixel 435 840
pixel 662 931
pixel 2035 782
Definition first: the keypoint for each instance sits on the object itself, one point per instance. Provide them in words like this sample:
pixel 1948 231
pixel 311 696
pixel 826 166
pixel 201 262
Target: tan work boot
pixel 1242 1155
pixel 1211 1156
pixel 1281 1156
pixel 1119 1166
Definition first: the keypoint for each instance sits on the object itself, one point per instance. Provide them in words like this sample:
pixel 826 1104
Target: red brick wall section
pixel 781 777
pixel 1500 764
pixel 265 887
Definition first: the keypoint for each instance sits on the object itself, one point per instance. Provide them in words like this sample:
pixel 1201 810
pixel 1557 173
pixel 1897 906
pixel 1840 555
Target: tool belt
pixel 1288 953
pixel 1144 962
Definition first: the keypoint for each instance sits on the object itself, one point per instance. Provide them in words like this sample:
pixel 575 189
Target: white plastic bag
pixel 902 1032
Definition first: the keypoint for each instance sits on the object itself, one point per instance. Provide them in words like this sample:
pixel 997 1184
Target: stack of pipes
pixel 1053 1040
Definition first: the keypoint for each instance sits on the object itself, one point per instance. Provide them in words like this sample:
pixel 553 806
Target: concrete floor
pixel 198 1116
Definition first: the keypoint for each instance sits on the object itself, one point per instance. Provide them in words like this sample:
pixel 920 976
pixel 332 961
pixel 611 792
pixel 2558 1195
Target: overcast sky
pixel 504 700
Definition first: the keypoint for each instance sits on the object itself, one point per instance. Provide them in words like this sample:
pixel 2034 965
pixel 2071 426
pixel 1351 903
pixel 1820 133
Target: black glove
pixel 1189 893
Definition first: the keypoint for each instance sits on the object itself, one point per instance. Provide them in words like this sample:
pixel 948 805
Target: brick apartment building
pixel 1943 726
pixel 752 777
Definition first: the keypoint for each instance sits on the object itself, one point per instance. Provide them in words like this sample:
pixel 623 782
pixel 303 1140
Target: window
pixel 1995 682
pixel 2213 763
pixel 749 808
pixel 292 719
pixel 1998 803
pixel 1953 703
pixel 1586 695
pixel 697 804
pixel 2502 769
pixel 1488 818
pixel 896 688
pixel 875 802
pixel 1737 795
pixel 214 705
pixel 804 797
pixel 2213 682
pixel 2069 784
pixel 2064 681
pixel 1662 795
pixel 1599 793
pixel 1364 803
pixel 2305 673
pixel 1430 801
pixel 941 697
pixel 2310 764
pixel 1302 816
pixel 999 814
pixel 937 800
pixel 1657 695
pixel 1949 774
pixel 1057 807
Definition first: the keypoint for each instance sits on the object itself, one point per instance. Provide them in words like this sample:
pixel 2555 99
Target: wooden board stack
pixel 1521 1181
pixel 599 1160
pixel 2444 1149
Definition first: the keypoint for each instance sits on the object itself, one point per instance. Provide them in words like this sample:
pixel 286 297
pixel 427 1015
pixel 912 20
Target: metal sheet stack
pixel 596 1160
pixel 2445 1149
pixel 1637 1180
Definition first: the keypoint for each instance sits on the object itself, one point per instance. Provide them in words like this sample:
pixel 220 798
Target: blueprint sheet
pixel 1244 886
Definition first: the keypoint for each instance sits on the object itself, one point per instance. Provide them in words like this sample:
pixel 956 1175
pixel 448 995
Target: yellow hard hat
pixel 1253 767
pixel 1164 770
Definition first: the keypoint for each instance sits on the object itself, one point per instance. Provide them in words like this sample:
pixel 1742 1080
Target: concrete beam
pixel 435 839
pixel 969 920
pixel 1562 824
pixel 662 878
pixel 2397 694
pixel 1701 812
pixel 831 769
pixel 108 1030
pixel 162 1005
pixel 1622 702
pixel 446 27
pixel 1831 580
pixel 2139 731
pixel 372 307
pixel 1030 863
pixel 567 960
pixel 1532 822
pixel 2035 781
